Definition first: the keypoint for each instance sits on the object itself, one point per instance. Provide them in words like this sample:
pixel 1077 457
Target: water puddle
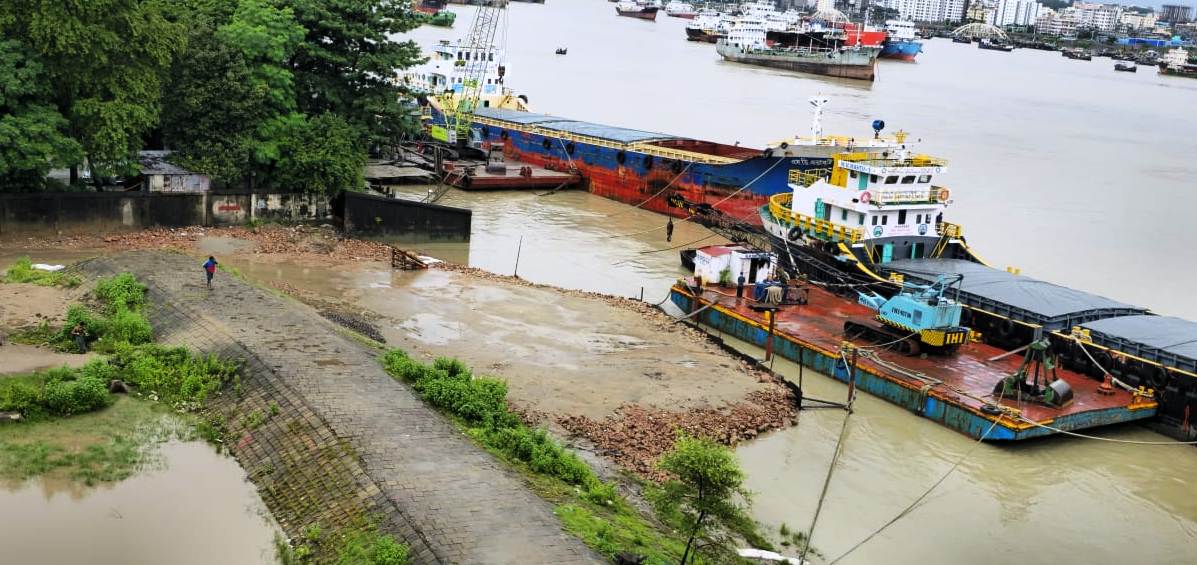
pixel 196 507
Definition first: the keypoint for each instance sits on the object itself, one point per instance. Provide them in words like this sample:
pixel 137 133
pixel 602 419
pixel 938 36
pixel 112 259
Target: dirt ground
pixel 24 306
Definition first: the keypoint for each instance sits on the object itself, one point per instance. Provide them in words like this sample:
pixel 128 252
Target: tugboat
pixel 708 27
pixel 637 10
pixel 900 41
pixel 682 10
pixel 811 50
pixel 1077 54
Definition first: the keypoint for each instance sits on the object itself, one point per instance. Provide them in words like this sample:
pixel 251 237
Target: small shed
pixel 160 175
pixel 711 261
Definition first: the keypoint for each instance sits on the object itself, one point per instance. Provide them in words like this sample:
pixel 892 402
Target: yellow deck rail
pixel 779 207
pixel 807 177
pixel 947 229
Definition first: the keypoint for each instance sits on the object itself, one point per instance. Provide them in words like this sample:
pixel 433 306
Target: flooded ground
pixel 195 508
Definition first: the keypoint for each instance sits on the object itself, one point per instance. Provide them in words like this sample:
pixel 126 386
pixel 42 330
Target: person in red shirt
pixel 210 269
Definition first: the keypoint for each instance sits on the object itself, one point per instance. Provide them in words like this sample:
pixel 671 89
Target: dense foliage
pixel 283 93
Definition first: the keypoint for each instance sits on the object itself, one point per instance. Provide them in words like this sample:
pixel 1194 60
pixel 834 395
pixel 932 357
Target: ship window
pixel 852 174
pixel 873 179
pixel 884 219
pixel 490 56
pixel 918 218
pixel 891 180
pixel 874 220
pixel 844 214
pixel 908 179
pixel 924 179
pixel 859 219
pixel 902 217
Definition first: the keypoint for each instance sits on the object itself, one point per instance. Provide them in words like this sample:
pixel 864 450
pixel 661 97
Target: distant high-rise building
pixel 1176 14
pixel 1013 13
pixel 928 10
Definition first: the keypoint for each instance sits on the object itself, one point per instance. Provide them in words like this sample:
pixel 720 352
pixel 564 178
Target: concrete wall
pixel 90 212
pixel 403 221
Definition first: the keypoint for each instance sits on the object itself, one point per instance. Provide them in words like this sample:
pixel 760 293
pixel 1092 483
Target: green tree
pixel 213 111
pixel 348 62
pixel 321 155
pixel 32 137
pixel 105 60
pixel 701 499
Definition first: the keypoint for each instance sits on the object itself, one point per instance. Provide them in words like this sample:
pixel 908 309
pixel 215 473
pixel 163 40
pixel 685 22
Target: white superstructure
pixel 902 30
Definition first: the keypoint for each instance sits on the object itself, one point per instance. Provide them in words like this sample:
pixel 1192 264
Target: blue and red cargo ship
pixel 901 41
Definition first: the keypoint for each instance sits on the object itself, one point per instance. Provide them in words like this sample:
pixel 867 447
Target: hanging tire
pixel 966 317
pixel 1159 377
pixel 621 157
pixel 1006 328
pixel 794 234
pixel 546 144
pixel 569 148
pixel 1104 361
pixel 503 135
pixel 648 161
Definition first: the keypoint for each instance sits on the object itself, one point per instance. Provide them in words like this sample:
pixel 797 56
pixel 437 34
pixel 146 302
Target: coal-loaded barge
pixel 849 213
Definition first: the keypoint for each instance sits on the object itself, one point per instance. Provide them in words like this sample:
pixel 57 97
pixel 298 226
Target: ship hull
pixel 640 13
pixel 859 64
pixel 704 35
pixel 900 50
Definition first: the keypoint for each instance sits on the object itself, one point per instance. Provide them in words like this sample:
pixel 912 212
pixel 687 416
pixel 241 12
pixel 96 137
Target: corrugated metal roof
pixel 155 163
pixel 1040 297
pixel 516 116
pixel 609 133
pixel 1174 335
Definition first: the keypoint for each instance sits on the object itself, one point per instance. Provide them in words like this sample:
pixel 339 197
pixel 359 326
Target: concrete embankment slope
pixel 328 437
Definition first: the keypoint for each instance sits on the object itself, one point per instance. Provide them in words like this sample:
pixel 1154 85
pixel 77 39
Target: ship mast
pixel 479 51
pixel 816 120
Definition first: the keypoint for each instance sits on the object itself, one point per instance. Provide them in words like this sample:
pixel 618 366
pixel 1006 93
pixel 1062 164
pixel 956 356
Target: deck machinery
pixel 920 317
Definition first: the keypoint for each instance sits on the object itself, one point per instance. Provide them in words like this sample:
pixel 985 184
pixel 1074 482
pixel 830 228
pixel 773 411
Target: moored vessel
pixel 993 45
pixel 684 10
pixel 900 41
pixel 638 10
pixel 811 50
pixel 708 27
pixel 1176 63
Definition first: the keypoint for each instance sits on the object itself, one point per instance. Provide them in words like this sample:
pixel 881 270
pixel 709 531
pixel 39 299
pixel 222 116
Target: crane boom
pixel 479 56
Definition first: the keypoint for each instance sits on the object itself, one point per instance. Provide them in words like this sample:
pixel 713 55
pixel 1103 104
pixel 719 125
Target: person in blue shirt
pixel 210 269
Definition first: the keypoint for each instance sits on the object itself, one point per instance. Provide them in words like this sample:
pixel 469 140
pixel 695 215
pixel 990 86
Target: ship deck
pixel 471 175
pixel 952 389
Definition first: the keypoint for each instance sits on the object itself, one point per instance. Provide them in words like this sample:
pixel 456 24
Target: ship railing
pixel 779 207
pixel 807 177
pixel 950 230
pixel 915 161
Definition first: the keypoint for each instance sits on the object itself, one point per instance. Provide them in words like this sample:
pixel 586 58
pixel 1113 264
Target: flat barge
pixel 956 391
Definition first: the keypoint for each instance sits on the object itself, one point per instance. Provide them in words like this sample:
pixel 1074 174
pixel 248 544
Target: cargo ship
pixel 812 50
pixel 1176 63
pixel 900 41
pixel 682 10
pixel 637 10
pixel 875 219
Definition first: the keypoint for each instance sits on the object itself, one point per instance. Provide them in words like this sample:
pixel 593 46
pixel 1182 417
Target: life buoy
pixel 784 145
pixel 944 194
pixel 794 234
pixel 866 197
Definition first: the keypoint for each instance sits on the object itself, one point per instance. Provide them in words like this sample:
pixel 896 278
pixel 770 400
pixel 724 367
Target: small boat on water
pixel 639 10
pixel 1126 67
pixel 1077 54
pixel 959 39
pixel 680 10
pixel 994 45
pixel 562 51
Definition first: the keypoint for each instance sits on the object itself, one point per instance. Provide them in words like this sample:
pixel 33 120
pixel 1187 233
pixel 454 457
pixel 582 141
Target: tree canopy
pixel 232 86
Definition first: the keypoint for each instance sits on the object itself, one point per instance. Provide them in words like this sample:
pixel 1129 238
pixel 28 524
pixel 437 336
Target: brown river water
pixel 1066 169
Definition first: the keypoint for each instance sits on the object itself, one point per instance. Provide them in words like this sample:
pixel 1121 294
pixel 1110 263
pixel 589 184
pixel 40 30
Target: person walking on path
pixel 79 334
pixel 669 231
pixel 210 269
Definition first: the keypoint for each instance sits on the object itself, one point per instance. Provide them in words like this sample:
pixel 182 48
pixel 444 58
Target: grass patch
pixel 362 544
pixel 23 272
pixel 589 508
pixel 104 446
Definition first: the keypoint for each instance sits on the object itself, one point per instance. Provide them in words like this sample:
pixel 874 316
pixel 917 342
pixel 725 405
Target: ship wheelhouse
pixel 884 205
